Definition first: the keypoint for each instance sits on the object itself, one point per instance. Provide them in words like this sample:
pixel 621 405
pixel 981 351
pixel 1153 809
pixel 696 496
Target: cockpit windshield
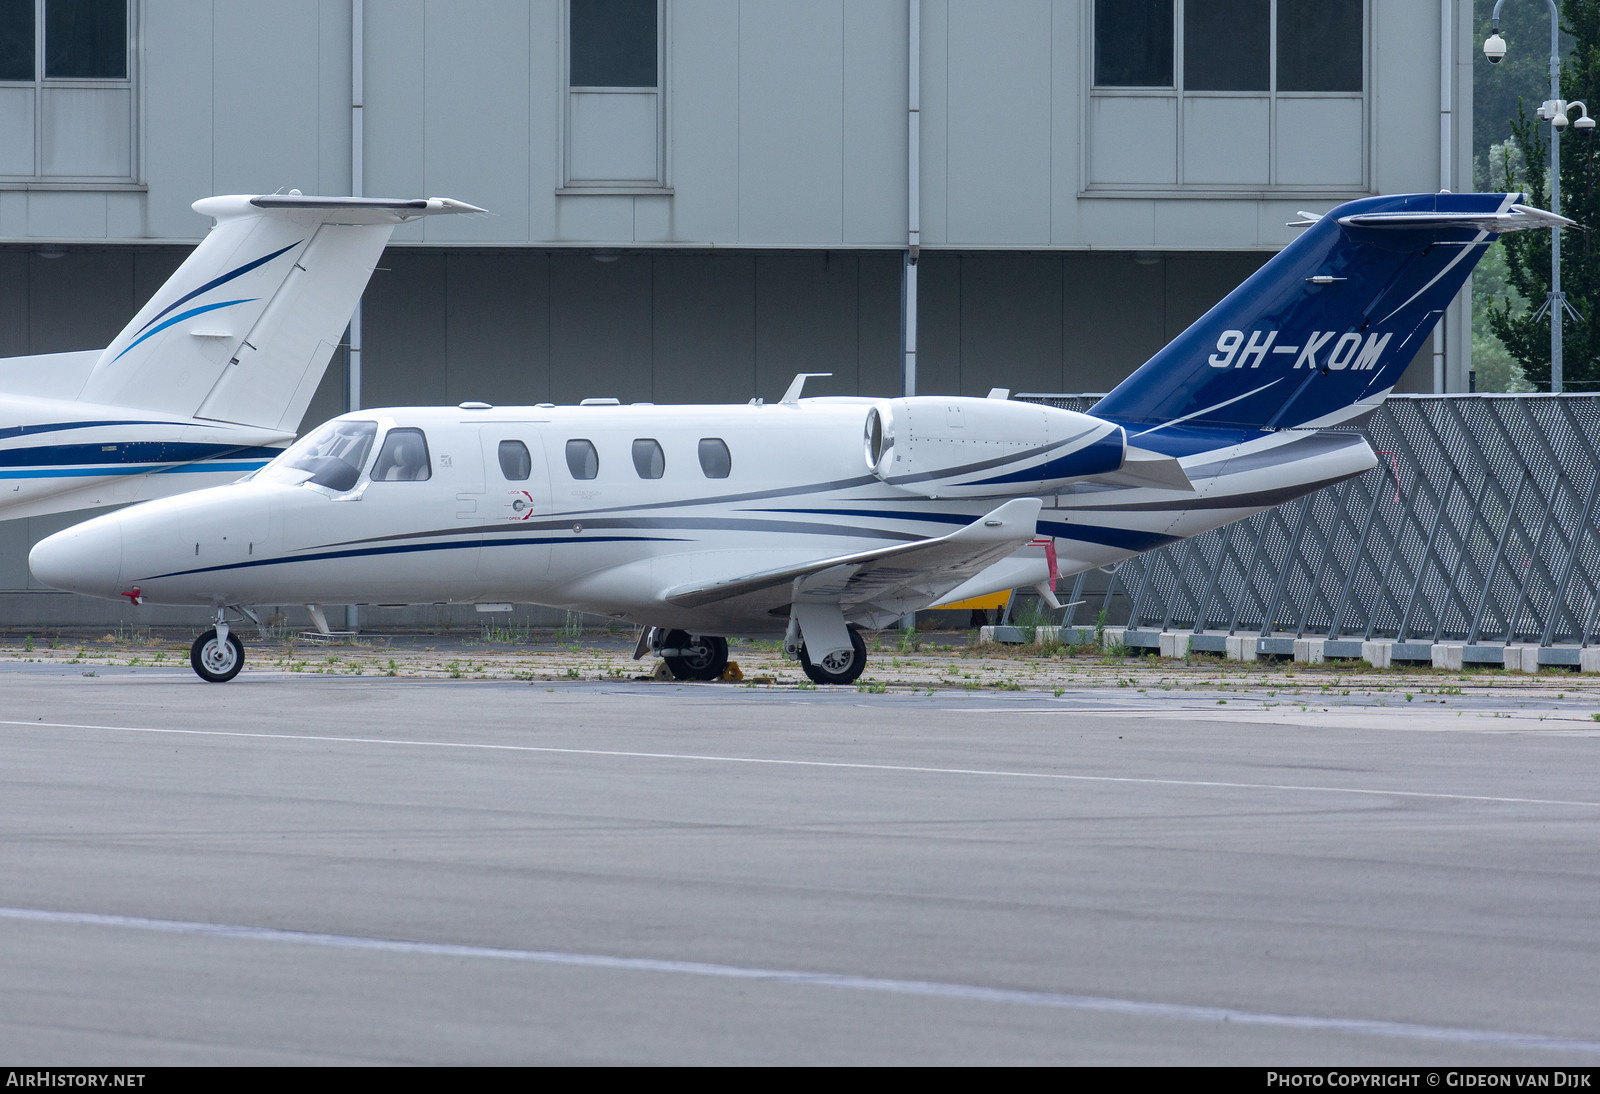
pixel 331 456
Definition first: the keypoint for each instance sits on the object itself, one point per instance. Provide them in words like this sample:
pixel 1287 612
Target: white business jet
pixel 811 517
pixel 213 375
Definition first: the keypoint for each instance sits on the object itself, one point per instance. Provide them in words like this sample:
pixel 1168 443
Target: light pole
pixel 1553 110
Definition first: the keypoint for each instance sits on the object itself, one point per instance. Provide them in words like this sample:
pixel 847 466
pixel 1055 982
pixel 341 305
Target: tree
pixel 1526 334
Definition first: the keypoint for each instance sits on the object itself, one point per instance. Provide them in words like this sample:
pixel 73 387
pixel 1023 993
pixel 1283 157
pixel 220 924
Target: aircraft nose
pixel 86 558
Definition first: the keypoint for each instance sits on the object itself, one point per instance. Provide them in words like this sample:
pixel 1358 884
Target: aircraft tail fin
pixel 1323 330
pixel 244 329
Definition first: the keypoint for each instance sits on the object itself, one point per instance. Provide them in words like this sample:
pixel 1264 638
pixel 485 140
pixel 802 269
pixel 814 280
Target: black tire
pixel 705 656
pixel 214 662
pixel 835 669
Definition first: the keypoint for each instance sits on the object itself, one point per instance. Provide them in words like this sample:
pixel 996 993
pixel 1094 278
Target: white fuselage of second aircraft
pixel 639 512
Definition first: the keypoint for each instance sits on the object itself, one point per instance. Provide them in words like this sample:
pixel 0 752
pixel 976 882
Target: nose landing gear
pixel 217 655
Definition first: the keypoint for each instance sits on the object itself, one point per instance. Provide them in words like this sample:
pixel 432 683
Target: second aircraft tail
pixel 244 329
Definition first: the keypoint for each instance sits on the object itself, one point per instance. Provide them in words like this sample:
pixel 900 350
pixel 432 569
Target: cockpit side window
pixel 582 459
pixel 515 463
pixel 334 454
pixel 404 458
pixel 648 459
pixel 715 459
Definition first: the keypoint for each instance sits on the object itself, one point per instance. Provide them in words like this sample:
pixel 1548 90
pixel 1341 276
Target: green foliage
pixel 1525 332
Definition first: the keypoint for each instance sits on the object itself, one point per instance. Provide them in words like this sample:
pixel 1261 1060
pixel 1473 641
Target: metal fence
pixel 1479 525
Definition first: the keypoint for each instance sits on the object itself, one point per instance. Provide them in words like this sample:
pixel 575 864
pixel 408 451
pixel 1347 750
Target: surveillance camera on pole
pixel 1494 48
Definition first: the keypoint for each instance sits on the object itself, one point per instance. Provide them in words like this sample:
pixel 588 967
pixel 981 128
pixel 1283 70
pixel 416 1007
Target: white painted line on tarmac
pixel 961 992
pixel 835 764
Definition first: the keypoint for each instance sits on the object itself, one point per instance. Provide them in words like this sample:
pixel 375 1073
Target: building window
pixel 67 109
pixel 615 114
pixel 1133 43
pixel 1228 94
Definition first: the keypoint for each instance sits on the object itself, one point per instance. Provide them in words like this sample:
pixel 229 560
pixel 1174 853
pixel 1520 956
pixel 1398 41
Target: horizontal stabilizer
pixel 873 586
pixel 1518 218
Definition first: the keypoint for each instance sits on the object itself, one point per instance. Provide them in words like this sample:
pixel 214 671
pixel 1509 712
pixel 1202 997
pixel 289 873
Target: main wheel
pixel 840 666
pixel 704 656
pixel 217 662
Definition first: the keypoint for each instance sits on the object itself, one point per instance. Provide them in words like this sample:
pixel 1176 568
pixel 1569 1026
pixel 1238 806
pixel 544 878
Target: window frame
pixel 42 86
pixel 393 433
pixel 1179 95
pixel 652 450
pixel 727 453
pixel 566 452
pixel 527 460
pixel 571 185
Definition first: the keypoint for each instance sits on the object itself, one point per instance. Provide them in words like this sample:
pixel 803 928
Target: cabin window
pixel 714 458
pixel 333 454
pixel 404 458
pixel 515 463
pixel 582 460
pixel 648 458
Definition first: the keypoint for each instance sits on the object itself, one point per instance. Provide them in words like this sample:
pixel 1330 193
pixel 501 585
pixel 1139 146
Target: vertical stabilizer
pixel 244 329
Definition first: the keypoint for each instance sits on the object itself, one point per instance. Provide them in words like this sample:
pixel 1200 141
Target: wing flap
pixel 887 580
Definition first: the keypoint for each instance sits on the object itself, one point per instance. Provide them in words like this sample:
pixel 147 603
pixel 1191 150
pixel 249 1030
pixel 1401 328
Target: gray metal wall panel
pixel 1011 323
pixel 791 102
pixel 703 99
pixel 405 331
pixel 16 290
pixel 704 311
pixel 263 140
pixel 878 324
pixel 178 87
pixel 1100 350
pixel 807 320
pixel 395 114
pixel 600 328
pixel 476 72
pixel 999 126
pixel 104 277
pixel 497 315
pixel 874 121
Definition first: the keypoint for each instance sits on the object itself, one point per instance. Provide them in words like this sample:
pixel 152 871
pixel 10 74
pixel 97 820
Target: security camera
pixel 1559 121
pixel 1494 48
pixel 1584 122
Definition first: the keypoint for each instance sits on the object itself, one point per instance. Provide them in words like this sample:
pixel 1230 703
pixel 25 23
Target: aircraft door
pixel 516 544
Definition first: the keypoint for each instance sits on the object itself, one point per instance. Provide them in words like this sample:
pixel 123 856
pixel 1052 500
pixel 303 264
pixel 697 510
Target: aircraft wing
pixel 873 587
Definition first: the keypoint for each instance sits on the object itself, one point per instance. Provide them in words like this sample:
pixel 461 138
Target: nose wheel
pixel 217 658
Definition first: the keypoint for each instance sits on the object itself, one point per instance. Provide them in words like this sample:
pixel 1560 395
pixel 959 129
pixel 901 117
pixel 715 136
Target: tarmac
pixel 524 849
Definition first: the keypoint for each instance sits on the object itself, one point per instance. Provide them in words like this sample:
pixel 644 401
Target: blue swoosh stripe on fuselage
pixel 214 282
pixel 128 452
pixel 409 548
pixel 180 317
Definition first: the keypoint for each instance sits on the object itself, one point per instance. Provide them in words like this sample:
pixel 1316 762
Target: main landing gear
pixel 687 656
pixel 840 666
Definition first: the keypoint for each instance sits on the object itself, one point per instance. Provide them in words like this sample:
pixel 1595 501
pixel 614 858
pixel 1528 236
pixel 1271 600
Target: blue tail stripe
pixel 1332 319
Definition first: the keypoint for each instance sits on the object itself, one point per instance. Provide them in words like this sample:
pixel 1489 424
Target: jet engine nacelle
pixel 963 447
